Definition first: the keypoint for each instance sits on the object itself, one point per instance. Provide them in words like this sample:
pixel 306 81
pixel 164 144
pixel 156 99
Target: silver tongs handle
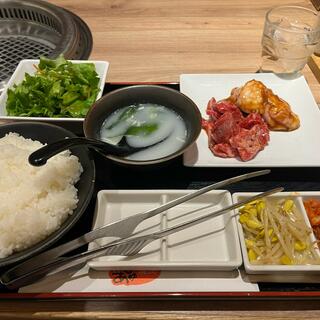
pixel 127 247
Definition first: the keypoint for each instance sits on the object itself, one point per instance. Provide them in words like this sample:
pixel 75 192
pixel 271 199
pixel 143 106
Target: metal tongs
pixel 53 260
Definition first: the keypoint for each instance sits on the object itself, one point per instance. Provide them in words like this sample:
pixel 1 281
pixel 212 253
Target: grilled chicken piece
pixel 250 97
pixel 279 115
pixel 254 96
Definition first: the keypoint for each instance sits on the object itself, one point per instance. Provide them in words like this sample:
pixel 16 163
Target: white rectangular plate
pixel 211 245
pixel 279 273
pixel 285 149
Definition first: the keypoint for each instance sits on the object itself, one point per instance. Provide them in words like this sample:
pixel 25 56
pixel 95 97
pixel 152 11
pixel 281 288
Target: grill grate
pixel 32 28
pixel 28 15
pixel 14 49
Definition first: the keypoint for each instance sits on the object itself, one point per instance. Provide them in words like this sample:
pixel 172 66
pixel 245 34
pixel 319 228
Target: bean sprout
pixel 276 233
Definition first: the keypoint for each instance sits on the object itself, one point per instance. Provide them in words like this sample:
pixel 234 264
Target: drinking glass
pixel 290 36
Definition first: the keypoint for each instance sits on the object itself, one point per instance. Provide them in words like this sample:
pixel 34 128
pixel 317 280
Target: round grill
pixel 30 29
pixel 14 49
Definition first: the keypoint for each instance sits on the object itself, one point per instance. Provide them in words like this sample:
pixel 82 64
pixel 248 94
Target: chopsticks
pixel 40 265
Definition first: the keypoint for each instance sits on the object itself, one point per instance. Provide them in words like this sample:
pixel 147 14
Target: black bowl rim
pixel 154 161
pixel 57 234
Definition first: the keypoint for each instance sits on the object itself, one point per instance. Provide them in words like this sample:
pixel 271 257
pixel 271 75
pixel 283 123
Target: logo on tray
pixel 132 277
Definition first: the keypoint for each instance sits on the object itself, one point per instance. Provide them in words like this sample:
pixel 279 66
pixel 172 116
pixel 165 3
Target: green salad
pixel 58 89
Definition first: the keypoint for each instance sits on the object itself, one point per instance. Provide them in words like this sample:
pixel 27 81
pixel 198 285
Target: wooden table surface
pixel 157 40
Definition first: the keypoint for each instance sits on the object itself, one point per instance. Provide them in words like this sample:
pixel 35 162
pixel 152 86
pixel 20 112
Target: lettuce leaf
pixel 59 88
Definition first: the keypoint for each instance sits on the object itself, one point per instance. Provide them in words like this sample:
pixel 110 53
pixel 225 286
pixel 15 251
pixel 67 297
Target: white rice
pixel 34 201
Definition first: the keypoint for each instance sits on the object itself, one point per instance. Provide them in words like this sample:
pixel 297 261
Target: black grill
pixel 30 29
pixel 14 49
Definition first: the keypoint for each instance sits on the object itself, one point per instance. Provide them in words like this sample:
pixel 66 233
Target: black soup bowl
pixel 139 94
pixel 48 133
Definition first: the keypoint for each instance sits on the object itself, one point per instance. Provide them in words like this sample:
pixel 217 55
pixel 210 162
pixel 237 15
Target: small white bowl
pixel 27 66
pixel 277 270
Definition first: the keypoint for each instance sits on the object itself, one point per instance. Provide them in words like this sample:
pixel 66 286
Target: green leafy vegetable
pixel 144 130
pixel 125 115
pixel 59 88
pixel 129 112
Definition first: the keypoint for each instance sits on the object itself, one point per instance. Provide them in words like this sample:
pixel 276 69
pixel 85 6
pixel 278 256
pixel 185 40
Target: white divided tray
pixel 211 245
pixel 280 273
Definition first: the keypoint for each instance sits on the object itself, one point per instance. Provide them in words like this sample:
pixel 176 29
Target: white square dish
pixel 211 245
pixel 27 66
pixel 279 273
pixel 285 149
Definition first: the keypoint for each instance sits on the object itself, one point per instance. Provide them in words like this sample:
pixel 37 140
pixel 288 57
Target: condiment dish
pixel 270 272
